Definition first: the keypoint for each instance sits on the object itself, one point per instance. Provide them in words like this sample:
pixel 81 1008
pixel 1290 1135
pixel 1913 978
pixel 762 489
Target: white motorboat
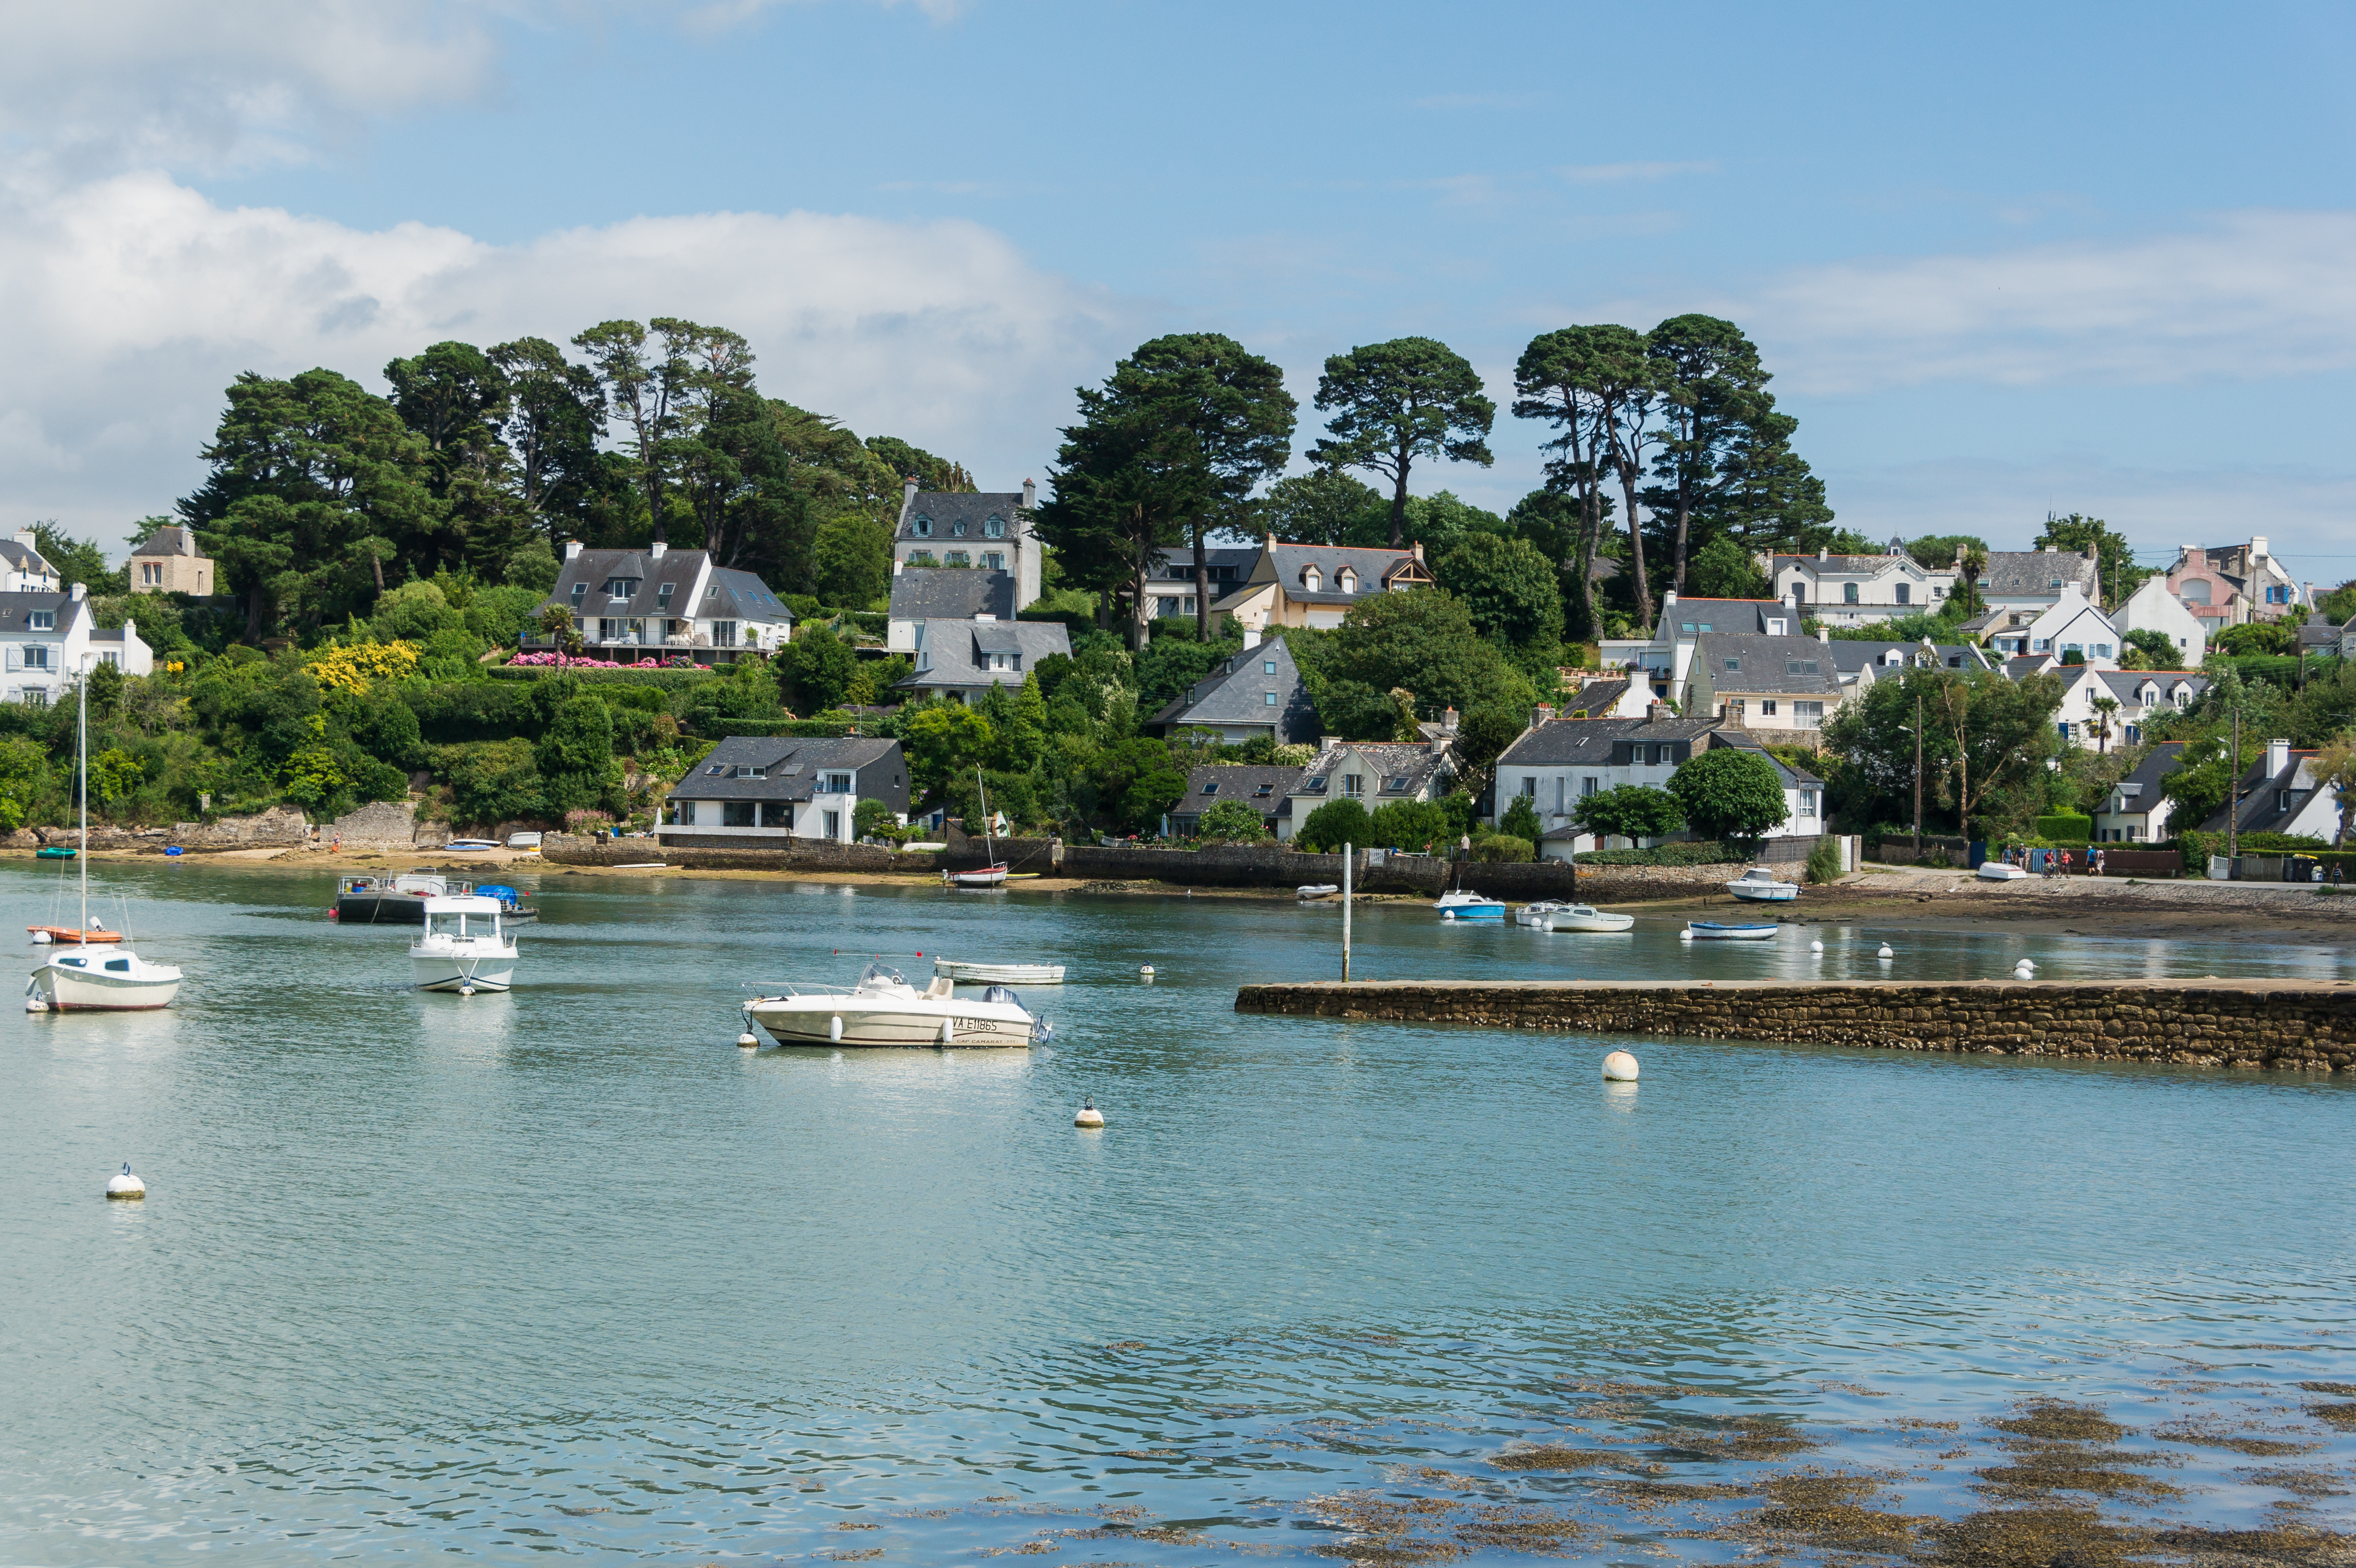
pixel 1000 974
pixel 2001 871
pixel 1759 885
pixel 1719 931
pixel 464 947
pixel 1459 904
pixel 1587 917
pixel 1313 892
pixel 86 978
pixel 1536 914
pixel 884 1009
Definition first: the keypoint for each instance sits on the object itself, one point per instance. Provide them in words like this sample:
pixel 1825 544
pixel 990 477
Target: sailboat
pixel 99 973
pixel 994 873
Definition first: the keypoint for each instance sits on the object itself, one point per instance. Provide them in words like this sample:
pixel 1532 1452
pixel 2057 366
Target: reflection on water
pixel 566 1270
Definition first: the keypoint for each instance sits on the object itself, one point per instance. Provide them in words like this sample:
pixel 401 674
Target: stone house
pixel 1784 687
pixel 986 530
pixel 168 561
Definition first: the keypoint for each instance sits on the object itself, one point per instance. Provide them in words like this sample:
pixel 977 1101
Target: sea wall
pixel 280 827
pixel 2302 1026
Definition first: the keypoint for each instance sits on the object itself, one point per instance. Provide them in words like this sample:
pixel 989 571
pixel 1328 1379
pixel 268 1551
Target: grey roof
pixel 1565 742
pixel 947 510
pixel 1236 692
pixel 1177 564
pixel 951 650
pixel 732 595
pixel 1721 615
pixel 1850 655
pixel 793 766
pixel 1593 697
pixel 2145 780
pixel 2125 683
pixel 740 596
pixel 2259 789
pixel 170 539
pixel 1374 569
pixel 2318 631
pixel 15 607
pixel 1416 762
pixel 2029 573
pixel 1776 665
pixel 952 593
pixel 106 634
pixel 1742 740
pixel 1270 788
pixel 1881 562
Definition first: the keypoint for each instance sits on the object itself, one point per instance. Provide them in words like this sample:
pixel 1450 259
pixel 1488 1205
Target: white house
pixel 2068 623
pixel 2134 811
pixel 756 792
pixel 1856 590
pixel 2139 695
pixel 1558 763
pixel 986 530
pixel 642 605
pixel 2153 608
pixel 23 569
pixel 2280 794
pixel 1373 773
pixel 1660 663
pixel 47 639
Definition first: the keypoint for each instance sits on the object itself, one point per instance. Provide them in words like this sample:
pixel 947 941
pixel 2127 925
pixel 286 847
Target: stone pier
pixel 2301 1025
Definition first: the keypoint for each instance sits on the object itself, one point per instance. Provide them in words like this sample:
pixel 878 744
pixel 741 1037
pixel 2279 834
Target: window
pixel 110 659
pixel 834 824
pixel 915 558
pixel 37 656
pixel 2282 799
pixel 120 965
pixel 1586 787
pixel 40 621
pixel 579 590
pixel 1799 666
pixel 2043 645
pixel 34 697
pixel 1312 580
pixel 1734 666
pixel 1807 802
pixel 1267 667
pixel 716 771
pixel 923 528
pixel 2102 651
pixel 994 561
pixel 959 558
pixel 956 530
pixel 1905 593
pixel 751 773
pixel 1211 788
pixel 835 784
pixel 1775 628
pixel 1767 708
pixel 995 528
pixel 723 634
pixel 1268 699
pixel 1318 783
pixel 1347 582
pixel 1353 784
pixel 151 573
pixel 621 588
pixel 738 813
pixel 1848 593
pixel 1529 789
pixel 1397 786
pixel 663 595
pixel 1808 716
pixel 1264 791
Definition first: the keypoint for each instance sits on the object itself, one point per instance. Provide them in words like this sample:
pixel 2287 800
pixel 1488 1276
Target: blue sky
pixel 2000 262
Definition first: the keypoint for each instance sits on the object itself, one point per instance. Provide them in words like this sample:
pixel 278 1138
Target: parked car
pixel 523 841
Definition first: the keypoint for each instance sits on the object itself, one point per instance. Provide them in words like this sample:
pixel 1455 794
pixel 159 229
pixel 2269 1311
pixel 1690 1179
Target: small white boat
pixel 1759 885
pixel 1462 905
pixel 2001 871
pixel 1311 892
pixel 1717 931
pixel 470 846
pixel 464 947
pixel 988 876
pixel 1000 974
pixel 1536 913
pixel 883 1009
pixel 1587 917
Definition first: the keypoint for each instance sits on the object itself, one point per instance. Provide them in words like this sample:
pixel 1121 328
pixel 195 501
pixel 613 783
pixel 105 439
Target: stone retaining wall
pixel 2300 1026
pixel 280 827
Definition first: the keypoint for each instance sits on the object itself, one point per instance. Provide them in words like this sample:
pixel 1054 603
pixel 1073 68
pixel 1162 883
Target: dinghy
pixel 1717 931
pixel 1312 892
pixel 994 873
pixel 1758 886
pixel 1000 974
pixel 1587 917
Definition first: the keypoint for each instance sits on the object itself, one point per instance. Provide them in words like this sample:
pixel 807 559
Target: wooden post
pixel 1347 856
pixel 1918 779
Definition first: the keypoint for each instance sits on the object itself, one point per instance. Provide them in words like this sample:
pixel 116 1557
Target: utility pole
pixel 1918 773
pixel 2233 793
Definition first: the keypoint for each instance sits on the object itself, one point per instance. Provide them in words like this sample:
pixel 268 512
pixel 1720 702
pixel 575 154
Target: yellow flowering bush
pixel 356 667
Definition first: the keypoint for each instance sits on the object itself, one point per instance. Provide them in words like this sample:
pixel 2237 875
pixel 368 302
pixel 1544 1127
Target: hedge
pixel 2065 827
pixel 674 680
pixel 803 729
pixel 1704 853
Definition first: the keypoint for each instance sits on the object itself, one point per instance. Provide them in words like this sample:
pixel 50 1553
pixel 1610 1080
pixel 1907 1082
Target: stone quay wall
pixel 2297 1025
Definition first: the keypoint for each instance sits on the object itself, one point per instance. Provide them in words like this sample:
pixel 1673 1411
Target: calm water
pixel 565 1271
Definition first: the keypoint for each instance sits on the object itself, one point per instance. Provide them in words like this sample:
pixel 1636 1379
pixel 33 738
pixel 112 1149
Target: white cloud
pixel 139 298
pixel 2256 295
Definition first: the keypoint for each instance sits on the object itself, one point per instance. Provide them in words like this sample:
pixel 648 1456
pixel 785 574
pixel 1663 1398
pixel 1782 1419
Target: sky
pixel 2002 260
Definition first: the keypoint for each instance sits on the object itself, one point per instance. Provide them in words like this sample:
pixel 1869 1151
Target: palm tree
pixel 2103 708
pixel 1971 563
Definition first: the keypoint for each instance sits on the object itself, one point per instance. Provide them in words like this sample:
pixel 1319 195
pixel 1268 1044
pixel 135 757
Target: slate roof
pixel 731 594
pixel 1765 664
pixel 1563 742
pixel 1177 564
pixel 25 558
pixel 1723 615
pixel 793 766
pixel 1236 692
pixel 1741 740
pixel 951 650
pixel 948 508
pixel 741 597
pixel 1593 697
pixel 16 607
pixel 1270 788
pixel 952 593
pixel 1849 656
pixel 2142 786
pixel 2259 788
pixel 1374 569
pixel 1416 762
pixel 2319 634
pixel 171 539
pixel 2029 573
pixel 1848 563
pixel 2125 683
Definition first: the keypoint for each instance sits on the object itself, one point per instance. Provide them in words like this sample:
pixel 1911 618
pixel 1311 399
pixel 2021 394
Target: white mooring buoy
pixel 1620 1068
pixel 1685 936
pixel 1815 947
pixel 1885 951
pixel 1145 971
pixel 2024 970
pixel 748 1040
pixel 125 1184
pixel 1090 1116
pixel 42 939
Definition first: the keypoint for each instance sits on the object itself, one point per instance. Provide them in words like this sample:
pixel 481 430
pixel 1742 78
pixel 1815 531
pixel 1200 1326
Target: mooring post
pixel 1347 856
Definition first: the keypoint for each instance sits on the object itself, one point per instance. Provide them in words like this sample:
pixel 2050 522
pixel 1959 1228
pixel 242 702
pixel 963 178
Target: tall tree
pixel 555 417
pixel 1230 406
pixel 1576 379
pixel 1395 403
pixel 640 390
pixel 1123 487
pixel 1323 505
pixel 2115 557
pixel 456 398
pixel 1713 399
pixel 314 487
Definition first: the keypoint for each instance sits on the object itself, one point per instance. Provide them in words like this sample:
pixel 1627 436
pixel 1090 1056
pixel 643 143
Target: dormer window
pixel 1311 579
pixel 1347 582
pixel 956 530
pixel 994 528
pixel 579 590
pixel 923 528
pixel 619 589
pixel 40 621
pixel 663 595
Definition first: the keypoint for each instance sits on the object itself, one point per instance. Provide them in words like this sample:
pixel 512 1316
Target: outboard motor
pixel 1041 1031
pixel 1001 993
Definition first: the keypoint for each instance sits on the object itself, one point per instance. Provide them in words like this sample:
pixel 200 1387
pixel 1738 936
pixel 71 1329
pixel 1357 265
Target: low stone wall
pixel 2302 1026
pixel 807 854
pixel 379 824
pixel 281 827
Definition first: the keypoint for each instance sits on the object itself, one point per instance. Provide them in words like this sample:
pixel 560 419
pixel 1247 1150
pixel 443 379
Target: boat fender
pixel 42 939
pixel 834 1029
pixel 1885 951
pixel 2024 971
pixel 1620 1068
pixel 1090 1116
pixel 948 1032
pixel 122 1184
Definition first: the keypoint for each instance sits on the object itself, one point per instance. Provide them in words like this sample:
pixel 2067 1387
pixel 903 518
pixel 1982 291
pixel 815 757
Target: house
pixel 987 530
pixel 2233 584
pixel 1373 773
pixel 1659 662
pixel 1558 763
pixel 169 562
pixel 2153 606
pixel 2318 636
pixel 758 792
pixel 2140 695
pixel 922 594
pixel 47 639
pixel 2034 579
pixel 1254 693
pixel 23 568
pixel 1612 697
pixel 638 606
pixel 1860 663
pixel 2068 624
pixel 1857 590
pixel 961 659
pixel 1316 585
pixel 1170 587
pixel 2279 794
pixel 1267 789
pixel 2135 811
pixel 1788 686
pixel 2347 639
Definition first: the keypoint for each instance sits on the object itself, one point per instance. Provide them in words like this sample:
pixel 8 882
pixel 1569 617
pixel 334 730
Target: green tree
pixel 24 777
pixel 934 472
pixel 871 818
pixel 1521 821
pixel 816 666
pixel 455 397
pixel 1398 403
pixel 1586 382
pixel 554 418
pixel 80 561
pixel 2003 732
pixel 2158 653
pixel 1510 849
pixel 1723 570
pixel 1411 825
pixel 1425 642
pixel 1125 484
pixel 852 557
pixel 315 485
pixel 1938 551
pixel 576 754
pixel 1334 824
pixel 1634 812
pixel 533 565
pixel 1139 781
pixel 1717 416
pixel 640 378
pixel 2202 781
pixel 942 740
pixel 2257 637
pixel 1236 821
pixel 106 690
pixel 1483 734
pixel 2118 574
pixel 1324 506
pixel 1729 794
pixel 1509 590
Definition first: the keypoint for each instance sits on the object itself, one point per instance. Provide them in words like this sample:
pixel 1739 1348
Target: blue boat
pixel 511 905
pixel 1717 931
pixel 1462 905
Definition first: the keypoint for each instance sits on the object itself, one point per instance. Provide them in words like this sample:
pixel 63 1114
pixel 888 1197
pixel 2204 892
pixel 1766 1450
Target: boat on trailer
pixel 884 1009
pixel 1721 931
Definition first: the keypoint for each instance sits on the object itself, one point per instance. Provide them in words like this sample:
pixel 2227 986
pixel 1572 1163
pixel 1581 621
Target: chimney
pixel 983 615
pixel 1419 550
pixel 1824 552
pixel 1824 634
pixel 1029 494
pixel 2092 554
pixel 1328 741
pixel 1668 601
pixel 1271 540
pixel 898 568
pixel 2278 758
pixel 1448 720
pixel 1655 712
pixel 129 630
pixel 571 550
pixel 25 538
pixel 656 549
pixel 1541 715
pixel 908 487
pixel 1252 637
pixel 2050 550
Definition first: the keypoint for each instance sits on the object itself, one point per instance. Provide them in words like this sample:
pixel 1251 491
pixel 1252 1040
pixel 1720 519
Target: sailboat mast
pixel 81 744
pixel 988 843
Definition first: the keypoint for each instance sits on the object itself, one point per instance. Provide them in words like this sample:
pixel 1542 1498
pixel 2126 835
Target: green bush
pixel 1413 824
pixel 714 727
pixel 1521 819
pixel 1232 821
pixel 1703 853
pixel 1504 848
pixel 2065 827
pixel 1824 862
pixel 1334 824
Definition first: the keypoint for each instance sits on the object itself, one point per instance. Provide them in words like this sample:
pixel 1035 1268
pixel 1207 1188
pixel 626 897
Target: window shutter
pixel 16 656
